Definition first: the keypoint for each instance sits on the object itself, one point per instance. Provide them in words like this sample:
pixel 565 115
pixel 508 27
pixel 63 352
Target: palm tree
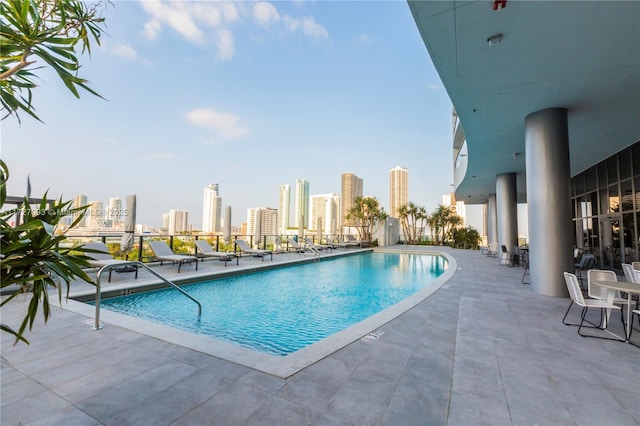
pixel 442 222
pixel 413 219
pixel 365 215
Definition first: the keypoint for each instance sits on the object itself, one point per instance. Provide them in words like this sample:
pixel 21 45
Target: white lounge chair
pixel 346 244
pixel 244 248
pixel 317 246
pixel 352 239
pixel 102 258
pixel 163 252
pixel 207 251
pixel 297 247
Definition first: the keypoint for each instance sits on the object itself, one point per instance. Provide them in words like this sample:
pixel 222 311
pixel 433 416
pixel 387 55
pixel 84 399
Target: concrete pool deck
pixel 482 349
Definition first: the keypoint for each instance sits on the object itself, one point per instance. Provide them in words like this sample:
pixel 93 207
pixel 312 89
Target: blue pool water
pixel 283 310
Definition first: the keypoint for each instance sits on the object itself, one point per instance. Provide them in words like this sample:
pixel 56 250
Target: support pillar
pixel 549 201
pixel 492 220
pixel 507 208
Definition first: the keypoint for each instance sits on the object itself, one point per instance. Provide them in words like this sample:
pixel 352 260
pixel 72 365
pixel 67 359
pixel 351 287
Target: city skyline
pixel 310 89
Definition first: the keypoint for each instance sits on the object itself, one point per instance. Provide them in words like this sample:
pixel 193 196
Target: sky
pixel 249 95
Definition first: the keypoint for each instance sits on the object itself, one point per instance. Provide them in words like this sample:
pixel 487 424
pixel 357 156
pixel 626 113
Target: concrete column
pixel 492 220
pixel 549 201
pixel 507 208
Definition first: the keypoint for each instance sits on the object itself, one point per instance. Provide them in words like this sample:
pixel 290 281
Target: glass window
pixel 627 195
pixel 590 180
pixel 602 175
pixel 579 182
pixel 614 199
pixel 624 158
pixel 604 201
pixel 612 169
pixel 636 182
pixel 629 237
pixel 635 150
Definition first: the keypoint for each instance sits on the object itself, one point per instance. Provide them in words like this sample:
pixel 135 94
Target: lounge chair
pixel 361 243
pixel 244 248
pixel 207 251
pixel 104 258
pixel 163 253
pixel 317 246
pixel 346 244
pixel 297 247
pixel 329 241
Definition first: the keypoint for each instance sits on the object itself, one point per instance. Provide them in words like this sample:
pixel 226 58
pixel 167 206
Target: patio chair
pixel 163 253
pixel 506 257
pixel 586 263
pixel 245 248
pixel 598 292
pixel 101 258
pixel 207 251
pixel 361 243
pixel 575 292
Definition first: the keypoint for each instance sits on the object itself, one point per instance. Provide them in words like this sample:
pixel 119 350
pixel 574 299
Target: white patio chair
pixel 578 298
pixel 598 292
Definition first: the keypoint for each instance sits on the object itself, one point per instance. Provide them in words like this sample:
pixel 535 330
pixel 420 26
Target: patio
pixel 483 349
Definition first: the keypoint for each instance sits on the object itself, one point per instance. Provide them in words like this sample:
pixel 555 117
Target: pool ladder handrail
pixel 137 263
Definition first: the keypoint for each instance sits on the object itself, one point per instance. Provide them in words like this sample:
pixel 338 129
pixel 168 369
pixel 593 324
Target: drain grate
pixel 372 336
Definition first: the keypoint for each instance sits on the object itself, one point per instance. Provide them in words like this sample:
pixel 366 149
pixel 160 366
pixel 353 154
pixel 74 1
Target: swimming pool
pixel 281 311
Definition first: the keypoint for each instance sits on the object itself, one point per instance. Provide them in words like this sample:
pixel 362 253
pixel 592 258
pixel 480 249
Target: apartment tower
pixel 325 209
pixel 79 201
pixel 351 188
pixel 211 209
pixel 284 208
pixel 399 189
pixel 302 203
pixel 178 221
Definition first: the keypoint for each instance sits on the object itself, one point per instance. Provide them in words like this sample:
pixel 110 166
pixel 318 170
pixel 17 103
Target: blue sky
pixel 250 95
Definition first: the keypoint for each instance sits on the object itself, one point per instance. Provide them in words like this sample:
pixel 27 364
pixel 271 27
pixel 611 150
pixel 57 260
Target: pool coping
pixel 279 366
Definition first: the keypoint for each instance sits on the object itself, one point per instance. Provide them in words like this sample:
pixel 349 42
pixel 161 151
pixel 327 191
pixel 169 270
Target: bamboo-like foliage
pixel 51 30
pixel 367 215
pixel 31 257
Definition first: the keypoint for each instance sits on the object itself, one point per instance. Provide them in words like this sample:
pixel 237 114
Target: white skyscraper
pixel 212 209
pixel 113 214
pixel 352 187
pixel 459 208
pixel 284 208
pixel 302 202
pixel 398 189
pixel 79 201
pixel 95 214
pixel 268 221
pixel 325 207
pixel 178 221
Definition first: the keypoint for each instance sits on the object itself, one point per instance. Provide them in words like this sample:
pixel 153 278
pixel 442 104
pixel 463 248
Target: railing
pixel 137 264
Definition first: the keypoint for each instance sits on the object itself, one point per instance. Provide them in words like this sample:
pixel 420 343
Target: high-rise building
pixel 398 189
pixel 178 221
pixel 113 215
pixel 325 208
pixel 268 219
pixel 284 208
pixel 79 201
pixel 95 215
pixel 351 188
pixel 302 203
pixel 165 221
pixel 459 208
pixel 212 209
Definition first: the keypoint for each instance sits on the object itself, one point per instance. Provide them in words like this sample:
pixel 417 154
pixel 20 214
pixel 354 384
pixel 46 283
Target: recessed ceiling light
pixel 494 39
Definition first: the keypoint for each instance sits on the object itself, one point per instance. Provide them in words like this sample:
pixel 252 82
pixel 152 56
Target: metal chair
pixel 577 298
pixel 586 263
pixel 506 257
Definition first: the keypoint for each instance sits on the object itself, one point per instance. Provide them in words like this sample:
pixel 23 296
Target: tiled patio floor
pixel 481 350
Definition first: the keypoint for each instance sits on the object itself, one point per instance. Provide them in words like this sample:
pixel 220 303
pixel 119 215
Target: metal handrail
pixel 134 262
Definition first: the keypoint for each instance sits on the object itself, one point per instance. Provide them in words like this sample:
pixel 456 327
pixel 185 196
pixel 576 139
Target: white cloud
pixel 363 39
pixel 434 86
pixel 224 126
pixel 162 156
pixel 225 45
pixel 125 51
pixel 313 30
pixel 209 22
pixel 265 14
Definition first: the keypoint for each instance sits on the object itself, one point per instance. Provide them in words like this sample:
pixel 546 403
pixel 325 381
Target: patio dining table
pixel 627 287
